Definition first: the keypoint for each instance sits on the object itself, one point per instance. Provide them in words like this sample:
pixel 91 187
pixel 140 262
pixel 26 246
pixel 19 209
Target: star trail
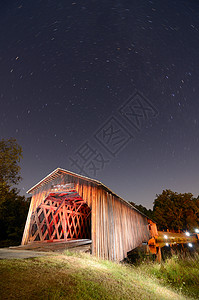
pixel 108 89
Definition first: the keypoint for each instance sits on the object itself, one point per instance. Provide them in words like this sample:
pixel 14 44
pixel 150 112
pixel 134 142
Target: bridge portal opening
pixel 61 216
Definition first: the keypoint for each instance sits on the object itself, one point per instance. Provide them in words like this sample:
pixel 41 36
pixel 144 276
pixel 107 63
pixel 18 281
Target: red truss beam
pixel 61 216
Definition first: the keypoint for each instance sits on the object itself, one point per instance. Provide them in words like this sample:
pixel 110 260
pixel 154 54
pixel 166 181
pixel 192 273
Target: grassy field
pixel 81 276
pixel 179 271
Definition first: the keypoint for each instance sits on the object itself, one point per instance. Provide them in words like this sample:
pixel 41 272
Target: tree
pixel 10 155
pixel 13 207
pixel 175 211
pixel 13 212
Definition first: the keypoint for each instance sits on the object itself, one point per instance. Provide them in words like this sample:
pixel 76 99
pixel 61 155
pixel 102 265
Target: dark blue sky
pixel 69 68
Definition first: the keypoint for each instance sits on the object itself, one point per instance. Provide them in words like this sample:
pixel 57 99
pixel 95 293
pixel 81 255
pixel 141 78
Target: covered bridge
pixel 68 206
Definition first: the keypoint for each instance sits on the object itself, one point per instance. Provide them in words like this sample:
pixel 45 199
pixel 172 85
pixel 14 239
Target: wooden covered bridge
pixel 67 206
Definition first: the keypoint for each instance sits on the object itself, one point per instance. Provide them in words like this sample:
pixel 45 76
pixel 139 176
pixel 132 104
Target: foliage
pixel 175 211
pixel 13 207
pixel 10 155
pixel 13 213
pixel 178 271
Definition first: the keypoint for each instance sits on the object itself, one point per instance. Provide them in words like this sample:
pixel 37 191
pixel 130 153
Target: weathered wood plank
pixel 116 227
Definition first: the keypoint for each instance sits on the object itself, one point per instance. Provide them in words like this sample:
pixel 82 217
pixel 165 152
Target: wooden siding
pixel 116 227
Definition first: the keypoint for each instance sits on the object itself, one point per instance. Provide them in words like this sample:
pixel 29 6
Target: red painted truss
pixel 61 216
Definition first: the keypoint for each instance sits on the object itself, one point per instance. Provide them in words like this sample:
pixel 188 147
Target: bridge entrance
pixel 61 216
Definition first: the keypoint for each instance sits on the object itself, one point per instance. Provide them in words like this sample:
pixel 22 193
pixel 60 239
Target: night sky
pixel 108 89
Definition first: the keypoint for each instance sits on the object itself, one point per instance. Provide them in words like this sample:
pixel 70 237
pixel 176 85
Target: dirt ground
pixel 40 249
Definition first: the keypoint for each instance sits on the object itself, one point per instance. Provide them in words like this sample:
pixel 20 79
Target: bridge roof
pixel 59 171
pixel 56 173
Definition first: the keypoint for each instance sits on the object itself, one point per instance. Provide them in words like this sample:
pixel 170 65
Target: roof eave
pixel 85 178
pixel 64 171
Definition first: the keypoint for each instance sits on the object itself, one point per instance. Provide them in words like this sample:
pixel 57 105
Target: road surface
pixel 6 253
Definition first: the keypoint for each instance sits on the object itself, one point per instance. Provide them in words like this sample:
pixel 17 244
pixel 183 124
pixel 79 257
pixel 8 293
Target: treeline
pixel 13 207
pixel 173 211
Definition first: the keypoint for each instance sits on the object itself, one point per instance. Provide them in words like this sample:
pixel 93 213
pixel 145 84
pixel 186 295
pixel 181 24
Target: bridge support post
pixel 158 254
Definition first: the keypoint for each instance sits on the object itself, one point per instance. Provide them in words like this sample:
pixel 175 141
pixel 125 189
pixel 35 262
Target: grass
pixel 81 276
pixel 181 272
